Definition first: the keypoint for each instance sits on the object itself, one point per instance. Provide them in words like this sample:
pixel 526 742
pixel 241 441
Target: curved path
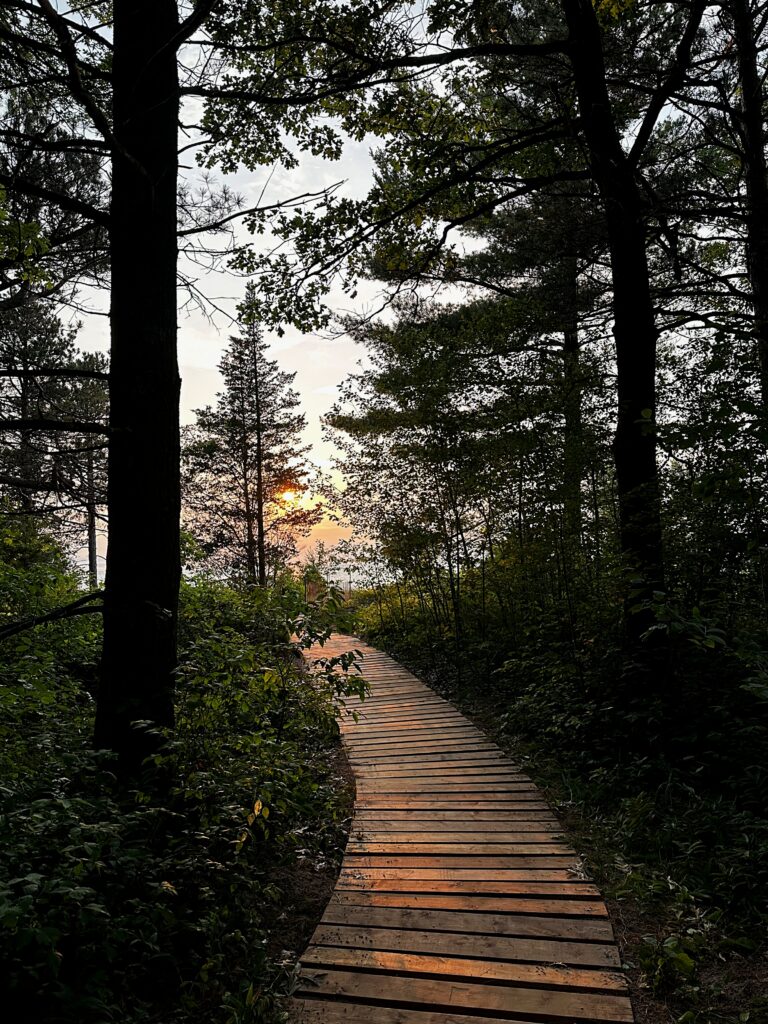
pixel 458 901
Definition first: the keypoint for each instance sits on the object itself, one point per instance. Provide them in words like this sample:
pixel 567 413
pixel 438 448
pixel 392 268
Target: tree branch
pixel 69 53
pixel 38 46
pixel 29 485
pixel 671 83
pixel 63 426
pixel 358 80
pixel 66 611
pixel 286 204
pixel 43 372
pixel 202 9
pixel 30 188
pixel 80 27
pixel 38 142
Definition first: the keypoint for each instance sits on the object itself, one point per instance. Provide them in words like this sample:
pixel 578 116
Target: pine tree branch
pixel 63 426
pixel 60 29
pixel 50 195
pixel 29 485
pixel 43 372
pixel 83 29
pixel 82 606
pixel 39 142
pixel 202 9
pixel 673 81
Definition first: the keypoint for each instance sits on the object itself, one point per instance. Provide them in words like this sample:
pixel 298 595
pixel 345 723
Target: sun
pixel 289 496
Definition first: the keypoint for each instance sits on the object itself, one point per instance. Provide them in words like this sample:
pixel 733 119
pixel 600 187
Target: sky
pixel 320 363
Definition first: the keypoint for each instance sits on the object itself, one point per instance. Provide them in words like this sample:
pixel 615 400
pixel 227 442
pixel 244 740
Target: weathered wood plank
pixel 311 1011
pixel 464 967
pixel 525 811
pixel 492 947
pixel 485 904
pixel 470 874
pixel 454 994
pixel 519 847
pixel 536 832
pixel 583 929
pixel 464 887
pixel 399 829
pixel 487 861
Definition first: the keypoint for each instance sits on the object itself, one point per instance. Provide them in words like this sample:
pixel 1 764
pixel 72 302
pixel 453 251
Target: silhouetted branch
pixel 82 606
pixel 65 426
pixel 43 372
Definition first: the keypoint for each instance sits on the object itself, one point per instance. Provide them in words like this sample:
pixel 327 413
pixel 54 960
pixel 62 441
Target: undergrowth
pixel 133 907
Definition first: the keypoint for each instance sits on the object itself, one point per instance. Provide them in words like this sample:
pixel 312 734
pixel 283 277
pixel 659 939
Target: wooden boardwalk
pixel 458 901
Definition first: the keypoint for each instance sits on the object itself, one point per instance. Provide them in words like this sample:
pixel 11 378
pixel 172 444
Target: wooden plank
pixel 525 810
pixel 397 716
pixel 400 714
pixel 504 784
pixel 484 904
pixel 536 833
pixel 401 962
pixel 320 1011
pixel 465 746
pixel 457 799
pixel 439 759
pixel 464 887
pixel 458 734
pixel 392 751
pixel 470 874
pixel 582 929
pixel 413 723
pixel 426 759
pixel 492 947
pixel 486 861
pixel 454 994
pixel 520 848
pixel 399 829
pixel 461 769
pixel 459 766
pixel 373 701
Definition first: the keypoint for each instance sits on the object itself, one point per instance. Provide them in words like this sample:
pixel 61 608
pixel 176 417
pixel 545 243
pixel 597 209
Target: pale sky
pixel 320 364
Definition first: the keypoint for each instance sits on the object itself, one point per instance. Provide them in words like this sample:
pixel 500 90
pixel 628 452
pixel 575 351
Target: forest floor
pixel 307 884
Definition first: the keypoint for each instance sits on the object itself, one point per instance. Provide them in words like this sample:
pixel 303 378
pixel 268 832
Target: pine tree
pixel 52 467
pixel 245 466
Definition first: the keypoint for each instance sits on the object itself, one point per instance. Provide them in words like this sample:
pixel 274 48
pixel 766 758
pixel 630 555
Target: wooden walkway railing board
pixel 458 901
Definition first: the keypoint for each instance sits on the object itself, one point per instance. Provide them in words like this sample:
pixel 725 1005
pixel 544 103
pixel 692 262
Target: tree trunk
pixel 634 329
pixel 260 528
pixel 93 563
pixel 572 415
pixel 143 562
pixel 750 128
pixel 28 469
pixel 251 558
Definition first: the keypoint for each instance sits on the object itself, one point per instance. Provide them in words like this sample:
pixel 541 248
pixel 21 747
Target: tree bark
pixel 572 413
pixel 260 528
pixel 143 495
pixel 93 561
pixel 634 329
pixel 750 127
